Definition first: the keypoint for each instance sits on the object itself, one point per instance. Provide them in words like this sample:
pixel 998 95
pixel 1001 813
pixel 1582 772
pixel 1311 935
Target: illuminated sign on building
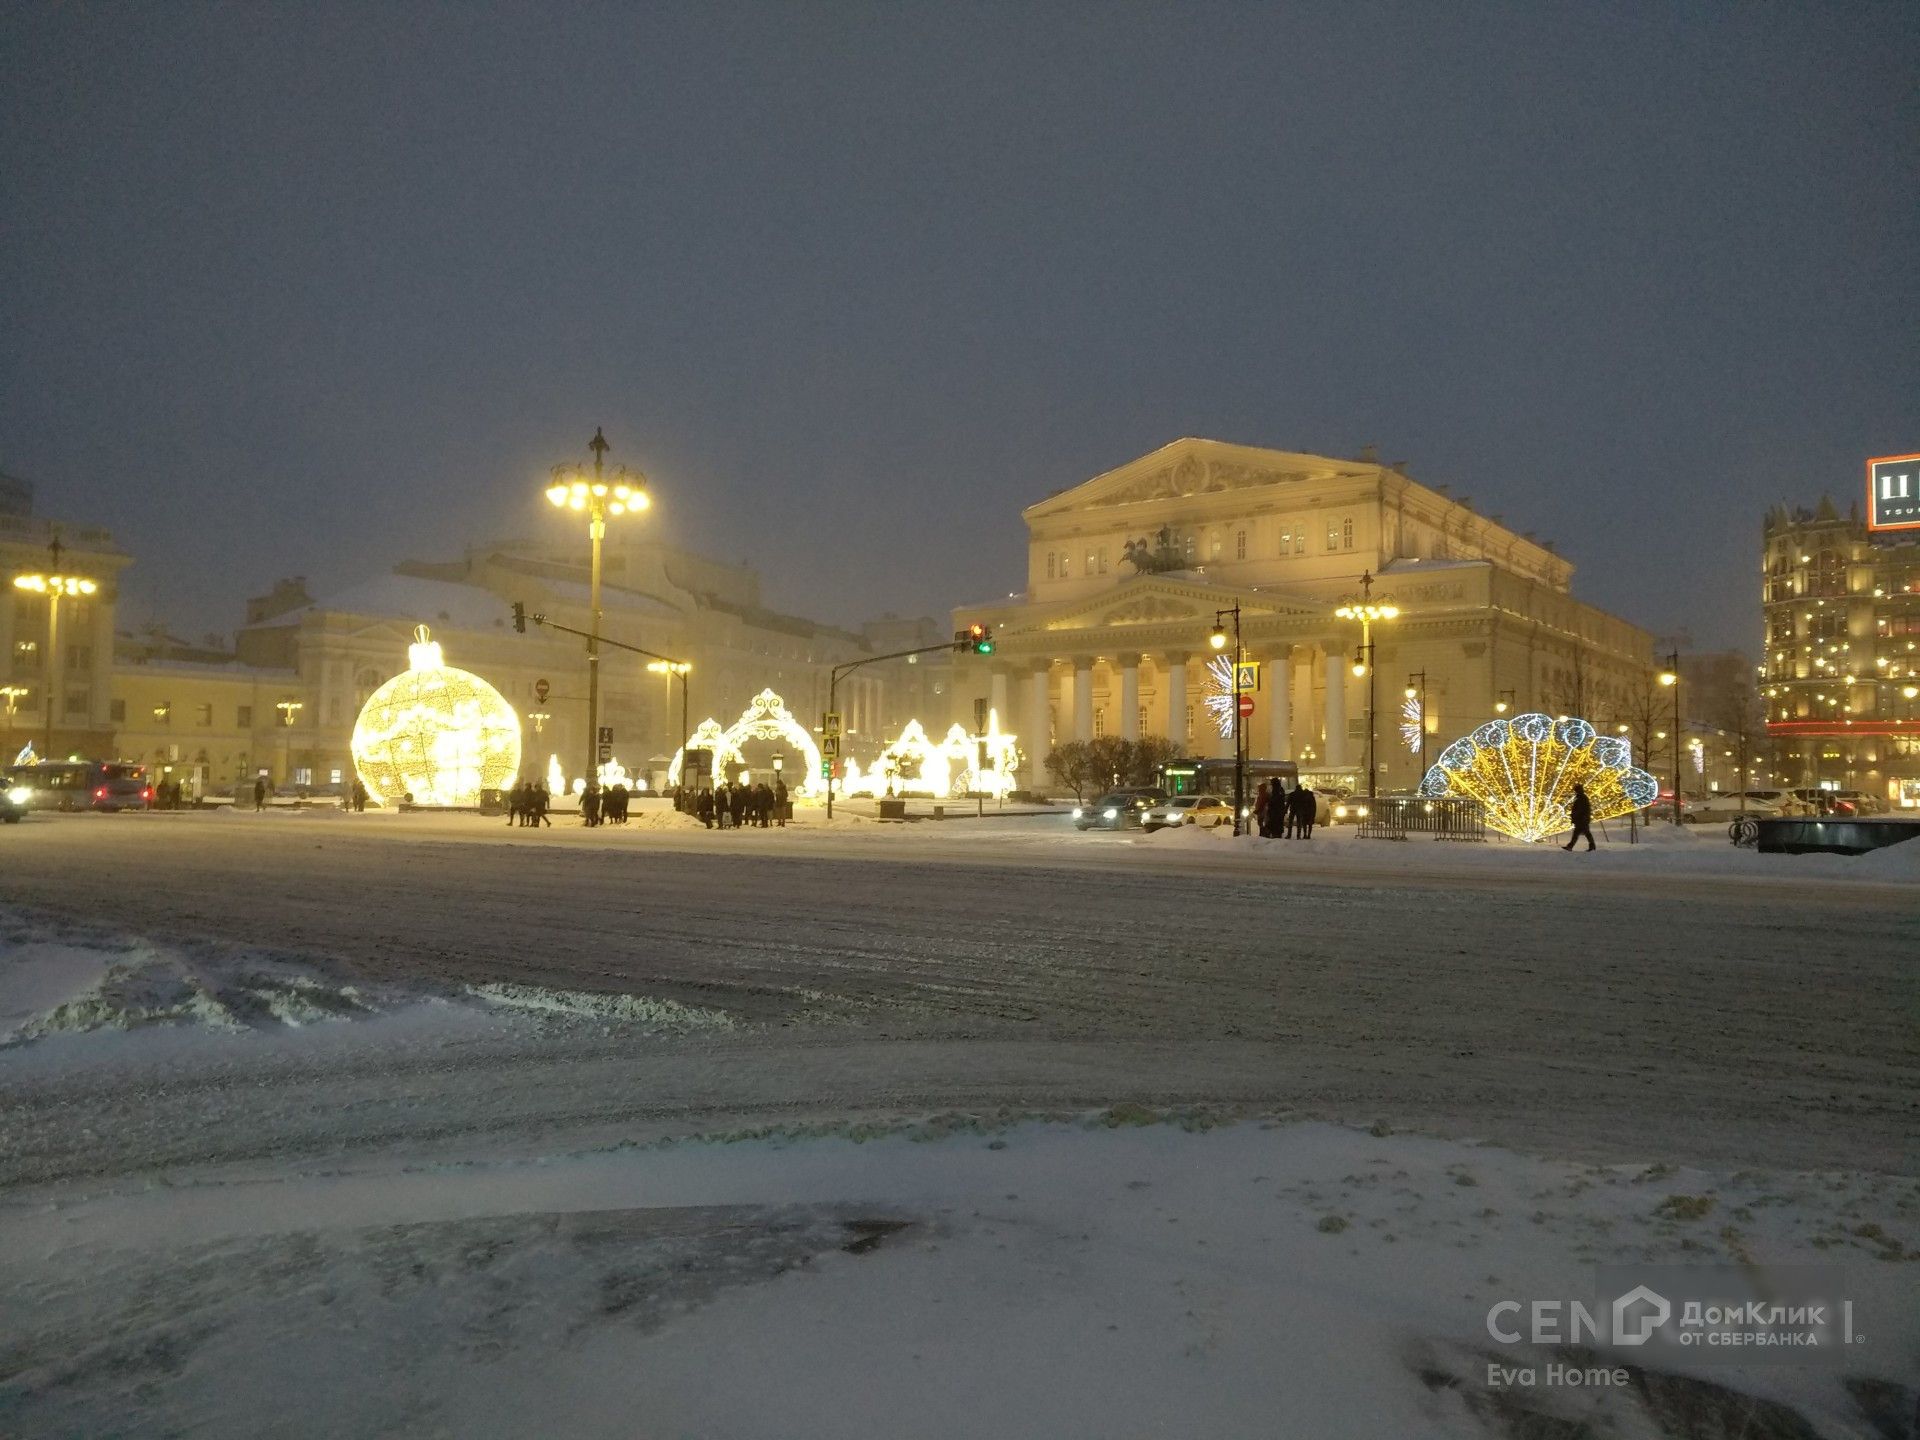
pixel 1893 493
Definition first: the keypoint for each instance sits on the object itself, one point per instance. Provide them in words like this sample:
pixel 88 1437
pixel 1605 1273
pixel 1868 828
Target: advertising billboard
pixel 1893 493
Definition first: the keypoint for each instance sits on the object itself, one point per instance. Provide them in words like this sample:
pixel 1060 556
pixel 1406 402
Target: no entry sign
pixel 1246 706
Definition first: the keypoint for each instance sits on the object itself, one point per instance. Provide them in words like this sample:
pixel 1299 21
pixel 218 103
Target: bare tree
pixel 1111 757
pixel 1071 766
pixel 1150 753
pixel 1745 722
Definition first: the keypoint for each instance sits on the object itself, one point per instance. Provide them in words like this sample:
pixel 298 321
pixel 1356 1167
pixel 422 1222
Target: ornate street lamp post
pixel 1670 677
pixel 1218 640
pixel 55 587
pixel 1366 612
pixel 596 497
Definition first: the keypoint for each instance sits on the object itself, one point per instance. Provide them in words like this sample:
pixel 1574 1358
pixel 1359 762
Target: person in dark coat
pixel 516 802
pixel 721 801
pixel 703 807
pixel 1262 799
pixel 259 791
pixel 1580 812
pixel 590 804
pixel 619 796
pixel 1305 809
pixel 359 797
pixel 737 804
pixel 780 801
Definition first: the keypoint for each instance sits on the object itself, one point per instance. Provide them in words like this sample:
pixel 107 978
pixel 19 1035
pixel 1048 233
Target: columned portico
pixel 1130 697
pixel 1080 689
pixel 1175 670
pixel 1279 698
pixel 997 697
pixel 1335 656
pixel 1037 737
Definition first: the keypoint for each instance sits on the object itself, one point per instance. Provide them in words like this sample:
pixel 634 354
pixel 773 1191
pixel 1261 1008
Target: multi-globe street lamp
pixel 56 587
pixel 598 497
pixel 1367 612
pixel 1218 640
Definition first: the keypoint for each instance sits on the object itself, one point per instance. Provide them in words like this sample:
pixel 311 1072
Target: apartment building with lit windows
pixel 1841 674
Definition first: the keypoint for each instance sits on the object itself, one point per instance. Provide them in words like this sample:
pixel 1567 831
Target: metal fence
pixel 1395 817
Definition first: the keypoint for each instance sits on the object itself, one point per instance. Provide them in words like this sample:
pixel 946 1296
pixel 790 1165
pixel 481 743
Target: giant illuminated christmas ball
pixel 436 733
pixel 1523 772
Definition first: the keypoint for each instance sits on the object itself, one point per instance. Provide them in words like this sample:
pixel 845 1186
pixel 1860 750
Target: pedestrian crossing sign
pixel 1246 676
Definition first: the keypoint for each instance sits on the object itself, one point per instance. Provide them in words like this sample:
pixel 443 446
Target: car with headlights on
pixel 1119 810
pixel 13 802
pixel 1188 810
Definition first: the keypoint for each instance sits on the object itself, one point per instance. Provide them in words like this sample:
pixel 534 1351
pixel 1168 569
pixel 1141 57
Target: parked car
pixel 1845 804
pixel 1859 802
pixel 1777 802
pixel 1119 810
pixel 1188 810
pixel 82 785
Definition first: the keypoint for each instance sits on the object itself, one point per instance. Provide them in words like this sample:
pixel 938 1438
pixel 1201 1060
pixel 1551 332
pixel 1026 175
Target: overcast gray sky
pixel 311 289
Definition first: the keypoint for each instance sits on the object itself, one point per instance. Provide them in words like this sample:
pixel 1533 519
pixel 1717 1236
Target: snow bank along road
pixel 1647 1005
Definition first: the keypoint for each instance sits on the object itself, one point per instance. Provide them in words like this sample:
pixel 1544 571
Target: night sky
pixel 313 289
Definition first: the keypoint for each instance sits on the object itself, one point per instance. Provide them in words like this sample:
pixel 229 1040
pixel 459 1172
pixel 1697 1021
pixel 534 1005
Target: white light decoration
pixel 1222 699
pixel 916 765
pixel 436 733
pixel 1698 748
pixel 1413 721
pixel 765 718
pixel 1524 770
pixel 556 777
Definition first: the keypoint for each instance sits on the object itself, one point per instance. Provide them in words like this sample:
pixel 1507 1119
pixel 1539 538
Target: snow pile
pixel 592 1005
pixel 1110 1277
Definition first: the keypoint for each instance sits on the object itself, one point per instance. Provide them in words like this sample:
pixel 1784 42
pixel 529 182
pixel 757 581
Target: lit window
pixel 334 777
pixel 302 775
pixel 1089 570
pixel 1333 536
pixel 1099 723
pixel 1065 566
pixel 1186 727
pixel 1103 559
pixel 1213 547
pixel 1141 720
pixel 1300 542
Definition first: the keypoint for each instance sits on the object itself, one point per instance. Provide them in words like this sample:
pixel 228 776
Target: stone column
pixel 997 697
pixel 1130 698
pixel 1336 661
pixel 1280 704
pixel 1036 738
pixel 1082 683
pixel 1175 669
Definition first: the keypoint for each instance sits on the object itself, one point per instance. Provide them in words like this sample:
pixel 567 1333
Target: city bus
pixel 1215 777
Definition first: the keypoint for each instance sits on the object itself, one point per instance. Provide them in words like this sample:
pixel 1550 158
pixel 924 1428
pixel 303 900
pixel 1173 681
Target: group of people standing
pixel 742 804
pixel 604 805
pixel 527 804
pixel 1283 814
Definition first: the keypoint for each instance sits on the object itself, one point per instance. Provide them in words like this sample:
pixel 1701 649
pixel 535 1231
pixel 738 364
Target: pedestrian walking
pixel 1306 809
pixel 516 802
pixel 1262 798
pixel 259 792
pixel 1580 812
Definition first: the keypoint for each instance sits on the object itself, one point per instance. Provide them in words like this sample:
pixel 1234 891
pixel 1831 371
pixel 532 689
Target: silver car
pixel 1189 810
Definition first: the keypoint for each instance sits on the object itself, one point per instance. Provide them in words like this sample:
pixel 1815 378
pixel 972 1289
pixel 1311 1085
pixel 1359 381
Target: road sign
pixel 1246 675
pixel 540 690
pixel 606 735
pixel 1246 706
pixel 606 753
pixel 830 747
pixel 830 722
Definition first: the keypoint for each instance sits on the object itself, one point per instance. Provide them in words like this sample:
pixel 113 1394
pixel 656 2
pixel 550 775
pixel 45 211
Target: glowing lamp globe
pixel 436 733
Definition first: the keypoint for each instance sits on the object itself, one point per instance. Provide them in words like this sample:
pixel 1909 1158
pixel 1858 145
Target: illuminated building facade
pixel 1841 675
pixel 1125 572
pixel 81 690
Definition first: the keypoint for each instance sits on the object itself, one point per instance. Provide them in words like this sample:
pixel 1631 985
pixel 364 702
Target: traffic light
pixel 520 617
pixel 976 637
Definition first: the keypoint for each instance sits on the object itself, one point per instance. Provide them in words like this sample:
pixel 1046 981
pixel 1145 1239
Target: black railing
pixel 1395 817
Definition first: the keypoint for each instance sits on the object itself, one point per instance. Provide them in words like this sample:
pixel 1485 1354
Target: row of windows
pixel 202 714
pixel 1339 536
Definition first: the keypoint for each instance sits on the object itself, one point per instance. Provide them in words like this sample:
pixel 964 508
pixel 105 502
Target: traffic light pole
pixel 833 691
pixel 680 667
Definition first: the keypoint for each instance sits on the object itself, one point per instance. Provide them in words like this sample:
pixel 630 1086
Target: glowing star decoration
pixel 1412 721
pixel 1523 772
pixel 1221 697
pixel 436 733
pixel 765 718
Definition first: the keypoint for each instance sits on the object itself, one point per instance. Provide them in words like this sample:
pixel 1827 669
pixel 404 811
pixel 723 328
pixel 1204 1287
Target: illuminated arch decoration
pixel 1222 700
pixel 1523 771
pixel 765 718
pixel 436 733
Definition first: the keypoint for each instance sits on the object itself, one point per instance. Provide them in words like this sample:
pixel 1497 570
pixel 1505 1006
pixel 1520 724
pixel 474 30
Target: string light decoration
pixel 765 718
pixel 436 733
pixel 1523 772
pixel 1222 699
pixel 1698 749
pixel 1413 720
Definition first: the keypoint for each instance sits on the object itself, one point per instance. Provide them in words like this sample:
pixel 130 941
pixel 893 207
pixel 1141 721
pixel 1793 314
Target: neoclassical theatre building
pixel 1126 571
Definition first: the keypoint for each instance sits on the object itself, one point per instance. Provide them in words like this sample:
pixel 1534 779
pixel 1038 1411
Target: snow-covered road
pixel 320 1125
